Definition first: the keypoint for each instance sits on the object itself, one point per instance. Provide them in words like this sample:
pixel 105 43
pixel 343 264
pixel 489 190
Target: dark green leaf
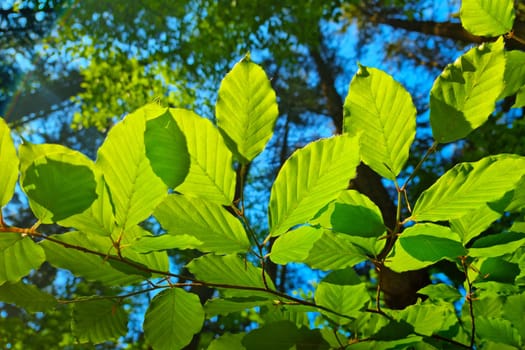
pixel 97 321
pixel 166 149
pixel 284 335
pixel 26 296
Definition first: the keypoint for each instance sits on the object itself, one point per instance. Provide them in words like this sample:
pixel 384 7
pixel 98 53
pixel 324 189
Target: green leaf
pixel 294 246
pixel 497 330
pixel 441 291
pixel 149 244
pixel 309 179
pixel 211 176
pixel 469 186
pixel 487 17
pixel 334 251
pixel 465 94
pixel 497 270
pixel 135 189
pixel 473 223
pixel 352 213
pixel 58 181
pixel 380 110
pixel 431 248
pixel 217 229
pixel 246 110
pixel 514 72
pixel 342 292
pixel 428 318
pixel 404 343
pixel 172 318
pixel 27 296
pixel 520 99
pixel 97 321
pixel 497 244
pixel 227 341
pixel 422 245
pixel 284 335
pixel 219 306
pixel 18 256
pixel 95 267
pixel 230 270
pixel 98 218
pixel 513 310
pixel 8 164
pixel 166 148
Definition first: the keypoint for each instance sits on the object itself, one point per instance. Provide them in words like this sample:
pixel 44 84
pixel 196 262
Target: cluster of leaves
pixel 178 167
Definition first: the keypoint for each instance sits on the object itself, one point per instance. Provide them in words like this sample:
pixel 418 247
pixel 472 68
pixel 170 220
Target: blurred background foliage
pixel 70 69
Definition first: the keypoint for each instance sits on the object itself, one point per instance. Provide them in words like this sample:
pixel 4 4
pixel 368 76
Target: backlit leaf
pixel 343 292
pixel 246 110
pixel 514 72
pixel 148 244
pixel 98 218
pixel 89 266
pixel 295 245
pixel 441 291
pixel 18 256
pixel 8 164
pixel 27 296
pixel 97 321
pixel 465 94
pixel 135 189
pixel 474 222
pixel 334 251
pixel 211 176
pixel 382 112
pixel 352 213
pixel 166 148
pixel 172 318
pixel 59 182
pixel 428 318
pixel 497 244
pixel 498 330
pixel 513 310
pixel 230 270
pixel 487 17
pixel 422 245
pixel 469 186
pixel 217 229
pixel 309 179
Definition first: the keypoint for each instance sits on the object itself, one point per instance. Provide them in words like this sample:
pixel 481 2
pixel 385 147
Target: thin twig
pixel 470 302
pixel 431 150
